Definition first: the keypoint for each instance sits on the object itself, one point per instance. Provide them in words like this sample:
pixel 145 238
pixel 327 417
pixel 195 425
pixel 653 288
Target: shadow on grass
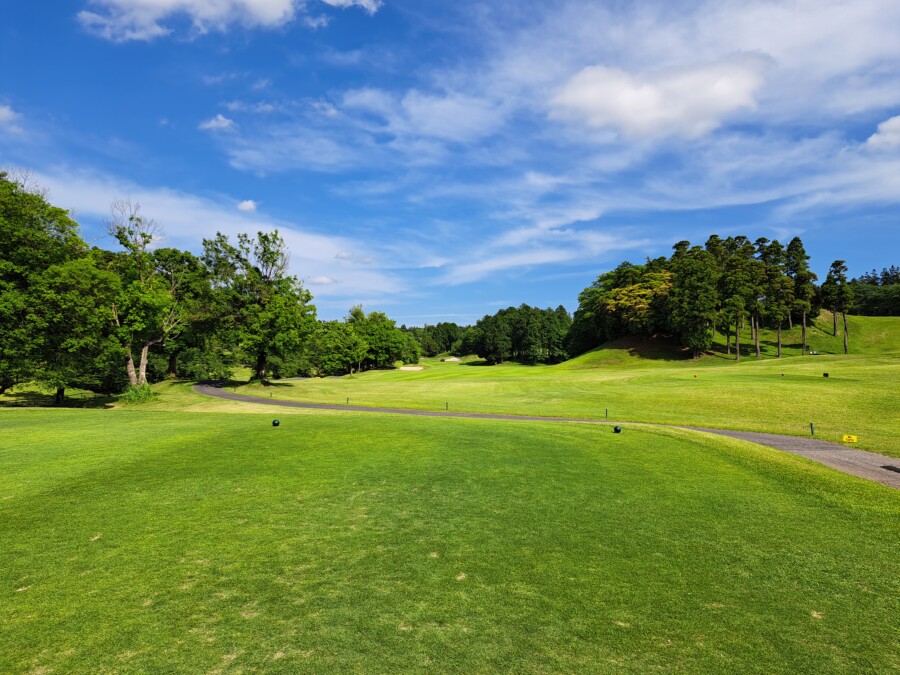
pixel 35 399
pixel 653 349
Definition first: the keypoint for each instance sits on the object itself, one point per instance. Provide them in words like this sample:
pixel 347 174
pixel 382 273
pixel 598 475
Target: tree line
pixel 726 285
pixel 72 315
pixel 877 294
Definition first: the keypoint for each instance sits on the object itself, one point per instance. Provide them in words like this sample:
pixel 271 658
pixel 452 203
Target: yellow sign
pixel 849 439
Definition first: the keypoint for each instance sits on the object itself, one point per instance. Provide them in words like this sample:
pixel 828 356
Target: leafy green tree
pixel 877 294
pixel 597 320
pixel 804 283
pixel 70 320
pixel 335 348
pixel 265 311
pixel 778 287
pixel 189 282
pixel 736 287
pixel 638 307
pixel 34 236
pixel 156 301
pixel 412 351
pixel 693 300
pixel 839 295
pixel 385 342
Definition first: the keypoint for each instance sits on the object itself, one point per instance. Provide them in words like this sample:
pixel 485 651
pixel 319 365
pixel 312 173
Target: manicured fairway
pixel 859 397
pixel 157 541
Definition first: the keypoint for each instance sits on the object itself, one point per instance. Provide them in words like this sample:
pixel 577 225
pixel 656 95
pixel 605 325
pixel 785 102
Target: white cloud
pixel 126 20
pixel 287 147
pixel 371 6
pixel 449 116
pixel 552 248
pixel 321 280
pixel 260 108
pixel 888 135
pixel 218 123
pixel 688 102
pixel 247 206
pixel 8 119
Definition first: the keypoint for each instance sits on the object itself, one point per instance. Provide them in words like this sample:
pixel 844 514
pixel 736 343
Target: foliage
pixel 159 288
pixel 265 311
pixel 70 319
pixel 384 343
pixel 437 339
pixel 34 237
pixel 876 294
pixel 526 334
pixel 137 393
pixel 336 348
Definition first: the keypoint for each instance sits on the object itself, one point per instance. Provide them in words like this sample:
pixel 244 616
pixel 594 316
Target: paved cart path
pixel 870 465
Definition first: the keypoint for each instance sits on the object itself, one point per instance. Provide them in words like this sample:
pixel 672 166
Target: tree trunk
pixel 846 340
pixel 790 322
pixel 173 365
pixel 804 333
pixel 142 367
pixel 779 340
pixel 737 342
pixel 261 360
pixel 129 366
pixel 756 338
pixel 728 339
pixel 834 316
pixel 60 396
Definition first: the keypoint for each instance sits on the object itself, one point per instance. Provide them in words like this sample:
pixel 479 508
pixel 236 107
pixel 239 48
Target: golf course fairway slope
pixel 149 541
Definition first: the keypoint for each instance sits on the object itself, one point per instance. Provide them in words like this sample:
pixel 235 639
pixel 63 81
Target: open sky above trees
pixel 438 161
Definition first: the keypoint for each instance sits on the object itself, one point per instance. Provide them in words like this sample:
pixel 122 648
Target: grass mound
pixel 142 541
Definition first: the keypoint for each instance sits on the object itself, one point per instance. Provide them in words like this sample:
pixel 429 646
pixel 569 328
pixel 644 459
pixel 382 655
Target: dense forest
pixel 726 285
pixel 72 315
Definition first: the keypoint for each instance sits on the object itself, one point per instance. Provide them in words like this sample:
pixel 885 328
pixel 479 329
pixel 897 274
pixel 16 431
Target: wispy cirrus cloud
pixel 145 20
pixel 189 218
pixel 10 119
pixel 218 123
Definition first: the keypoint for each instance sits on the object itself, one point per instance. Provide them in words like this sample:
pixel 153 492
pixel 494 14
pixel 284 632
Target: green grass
pixel 653 382
pixel 141 540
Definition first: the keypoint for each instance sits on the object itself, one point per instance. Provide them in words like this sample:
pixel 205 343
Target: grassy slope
pixel 158 541
pixel 645 382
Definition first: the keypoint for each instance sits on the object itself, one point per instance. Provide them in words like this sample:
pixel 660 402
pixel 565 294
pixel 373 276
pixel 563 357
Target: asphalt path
pixel 870 465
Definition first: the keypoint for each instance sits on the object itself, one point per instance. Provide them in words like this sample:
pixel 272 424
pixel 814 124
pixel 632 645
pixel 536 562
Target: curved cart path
pixel 869 465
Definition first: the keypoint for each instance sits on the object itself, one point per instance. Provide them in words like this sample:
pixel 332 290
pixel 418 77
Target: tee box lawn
pixel 158 541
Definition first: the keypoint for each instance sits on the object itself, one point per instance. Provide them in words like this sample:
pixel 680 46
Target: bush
pixel 138 393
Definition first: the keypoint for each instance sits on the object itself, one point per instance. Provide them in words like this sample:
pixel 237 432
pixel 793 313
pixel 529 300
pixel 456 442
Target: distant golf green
pixel 143 541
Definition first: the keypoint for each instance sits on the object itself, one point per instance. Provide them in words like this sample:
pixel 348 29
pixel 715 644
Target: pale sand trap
pixel 411 368
pixel 452 358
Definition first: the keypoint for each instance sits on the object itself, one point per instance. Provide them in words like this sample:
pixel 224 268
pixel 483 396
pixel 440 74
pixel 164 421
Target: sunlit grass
pixel 649 382
pixel 153 541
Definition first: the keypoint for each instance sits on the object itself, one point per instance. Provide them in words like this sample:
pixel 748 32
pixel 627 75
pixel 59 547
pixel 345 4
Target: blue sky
pixel 439 160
